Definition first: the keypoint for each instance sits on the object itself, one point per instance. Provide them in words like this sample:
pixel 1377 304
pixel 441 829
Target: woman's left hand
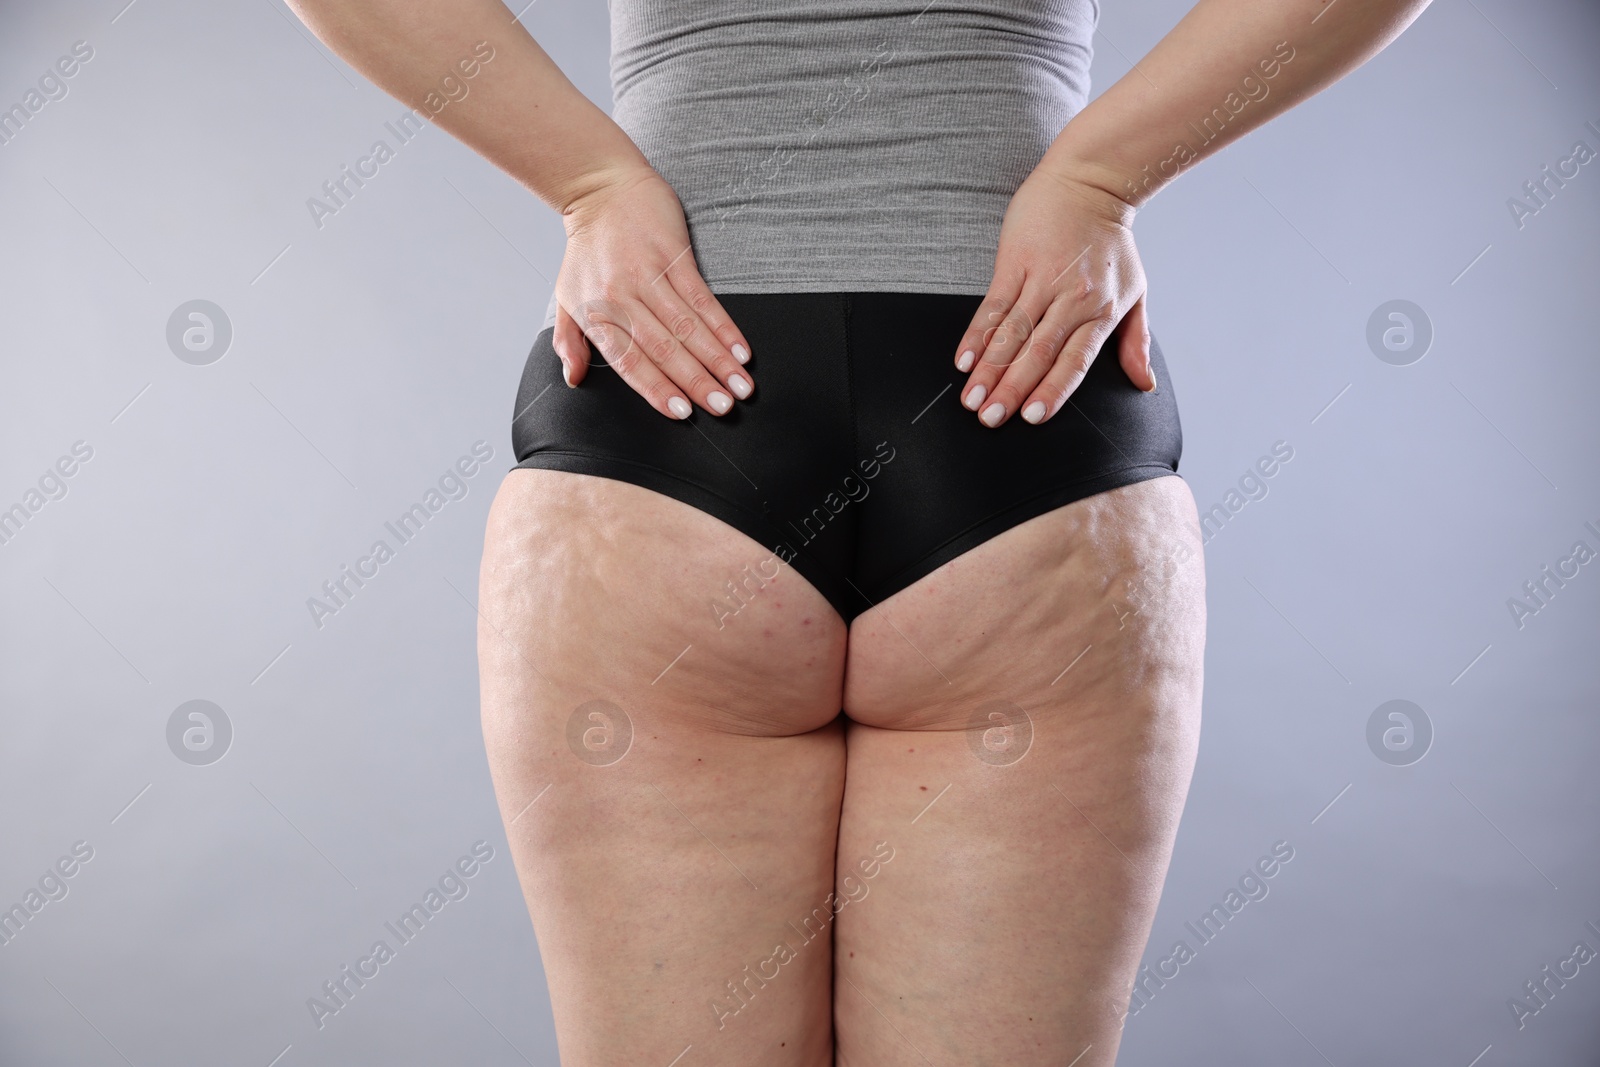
pixel 1065 274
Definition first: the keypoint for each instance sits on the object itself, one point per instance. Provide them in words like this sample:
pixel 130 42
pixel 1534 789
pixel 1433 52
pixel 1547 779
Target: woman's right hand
pixel 629 283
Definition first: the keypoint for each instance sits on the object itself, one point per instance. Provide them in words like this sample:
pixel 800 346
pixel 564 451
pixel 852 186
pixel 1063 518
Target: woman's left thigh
pixel 1023 727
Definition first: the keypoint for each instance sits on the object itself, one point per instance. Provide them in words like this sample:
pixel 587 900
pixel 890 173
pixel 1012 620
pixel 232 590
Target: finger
pixel 996 302
pixel 612 335
pixel 688 284
pixel 661 348
pixel 571 347
pixel 696 337
pixel 1004 345
pixel 1134 346
pixel 1067 372
pixel 1038 355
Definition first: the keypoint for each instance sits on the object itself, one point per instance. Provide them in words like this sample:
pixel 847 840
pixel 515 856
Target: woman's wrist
pixel 593 183
pixel 1089 183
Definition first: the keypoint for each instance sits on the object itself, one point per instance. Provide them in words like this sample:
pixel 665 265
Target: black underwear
pixel 854 460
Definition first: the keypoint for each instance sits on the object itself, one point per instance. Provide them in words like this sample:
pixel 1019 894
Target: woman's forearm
pixel 517 109
pixel 1226 68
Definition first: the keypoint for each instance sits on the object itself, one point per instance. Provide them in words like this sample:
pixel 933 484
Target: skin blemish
pixel 923 788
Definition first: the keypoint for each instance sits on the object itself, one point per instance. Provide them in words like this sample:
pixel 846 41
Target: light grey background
pixel 370 354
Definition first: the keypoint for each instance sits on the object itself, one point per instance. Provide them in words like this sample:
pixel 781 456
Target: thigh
pixel 1024 722
pixel 669 772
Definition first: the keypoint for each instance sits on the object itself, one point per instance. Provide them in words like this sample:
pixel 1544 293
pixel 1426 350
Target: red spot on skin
pixel 910 750
pixel 923 788
pixel 852 955
pixel 805 622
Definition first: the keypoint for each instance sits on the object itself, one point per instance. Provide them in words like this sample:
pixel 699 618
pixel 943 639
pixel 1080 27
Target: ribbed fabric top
pixel 839 145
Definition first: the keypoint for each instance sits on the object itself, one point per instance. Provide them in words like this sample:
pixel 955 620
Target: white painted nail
pixel 720 402
pixel 993 414
pixel 740 354
pixel 1033 412
pixel 964 364
pixel 740 387
pixel 975 397
pixel 679 407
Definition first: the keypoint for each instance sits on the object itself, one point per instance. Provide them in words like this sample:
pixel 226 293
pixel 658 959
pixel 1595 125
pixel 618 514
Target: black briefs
pixel 854 460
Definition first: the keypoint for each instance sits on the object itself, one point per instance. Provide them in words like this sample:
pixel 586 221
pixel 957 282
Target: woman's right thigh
pixel 660 710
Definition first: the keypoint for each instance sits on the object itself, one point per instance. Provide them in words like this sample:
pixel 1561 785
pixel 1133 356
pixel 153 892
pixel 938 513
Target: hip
pixel 854 456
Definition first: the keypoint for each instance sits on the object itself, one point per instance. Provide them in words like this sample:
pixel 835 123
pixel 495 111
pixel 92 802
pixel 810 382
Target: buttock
pixel 854 461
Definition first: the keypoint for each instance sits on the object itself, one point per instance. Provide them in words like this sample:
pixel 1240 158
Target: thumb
pixel 571 346
pixel 1134 346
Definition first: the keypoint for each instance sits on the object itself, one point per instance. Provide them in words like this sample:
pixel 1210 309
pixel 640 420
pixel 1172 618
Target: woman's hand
pixel 629 284
pixel 1066 273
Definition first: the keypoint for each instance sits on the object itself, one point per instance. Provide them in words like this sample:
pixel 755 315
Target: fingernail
pixel 679 407
pixel 964 364
pixel 993 414
pixel 975 397
pixel 740 387
pixel 740 354
pixel 1154 385
pixel 1033 412
pixel 719 401
pixel 566 374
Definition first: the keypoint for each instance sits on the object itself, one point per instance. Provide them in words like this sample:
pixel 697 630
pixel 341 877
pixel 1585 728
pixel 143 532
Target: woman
pixel 848 716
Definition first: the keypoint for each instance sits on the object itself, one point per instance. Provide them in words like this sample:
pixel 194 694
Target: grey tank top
pixel 835 145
